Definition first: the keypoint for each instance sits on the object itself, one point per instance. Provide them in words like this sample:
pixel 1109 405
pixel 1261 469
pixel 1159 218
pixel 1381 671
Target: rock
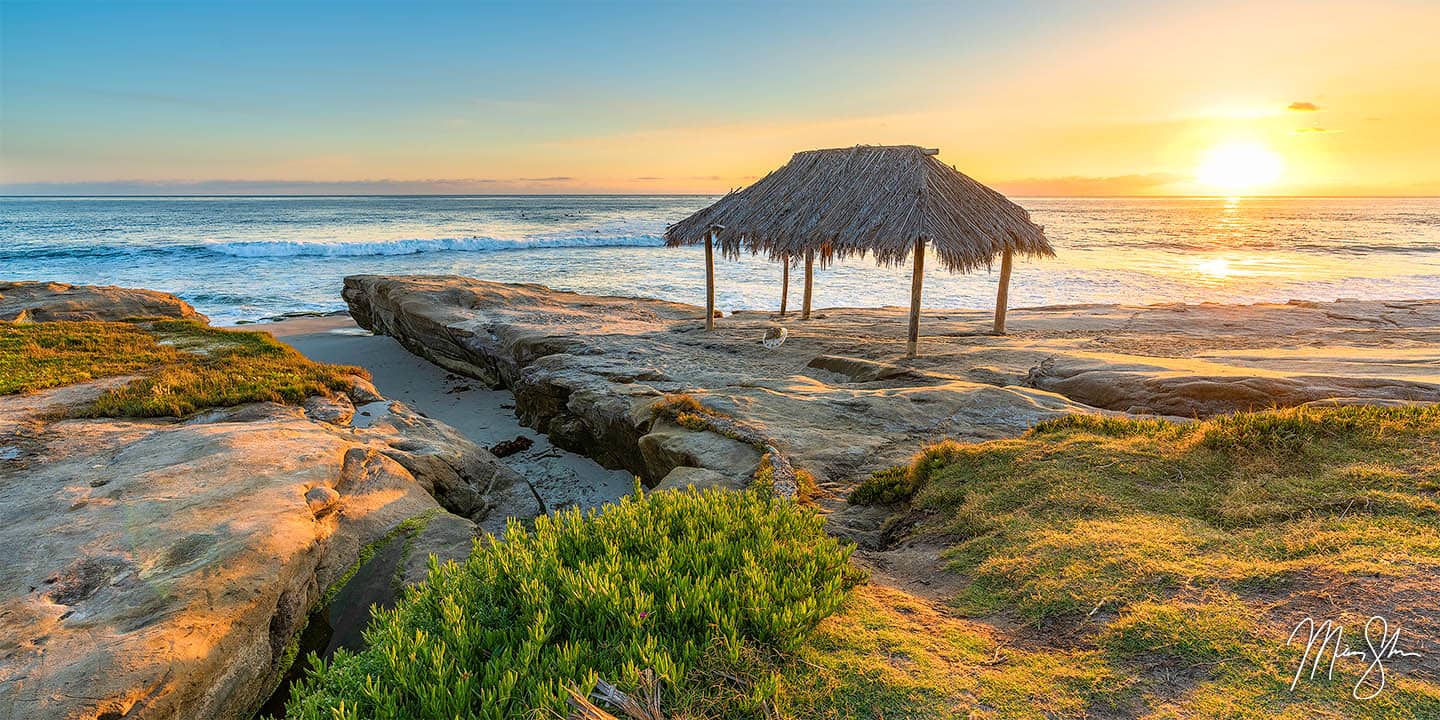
pixel 445 537
pixel 860 524
pixel 161 568
pixel 670 446
pixel 699 478
pixel 1192 396
pixel 52 301
pixel 585 370
pixel 857 369
pixel 506 448
pixel 336 411
pixel 463 477
pixel 362 392
pixel 321 499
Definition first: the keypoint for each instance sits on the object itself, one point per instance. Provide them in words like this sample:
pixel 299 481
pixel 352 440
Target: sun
pixel 1239 166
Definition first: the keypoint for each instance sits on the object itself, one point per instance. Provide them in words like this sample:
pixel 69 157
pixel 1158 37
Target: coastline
pixel 1070 395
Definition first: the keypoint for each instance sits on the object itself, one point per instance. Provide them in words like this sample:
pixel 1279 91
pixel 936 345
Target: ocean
pixel 250 258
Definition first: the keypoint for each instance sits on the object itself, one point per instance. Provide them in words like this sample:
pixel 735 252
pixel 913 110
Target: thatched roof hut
pixel 883 200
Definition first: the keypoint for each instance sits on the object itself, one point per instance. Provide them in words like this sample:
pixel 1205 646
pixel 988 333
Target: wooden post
pixel 809 280
pixel 917 281
pixel 710 280
pixel 784 284
pixel 1002 295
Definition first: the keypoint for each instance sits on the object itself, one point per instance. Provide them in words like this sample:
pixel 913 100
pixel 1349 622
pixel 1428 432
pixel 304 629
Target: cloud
pixel 381 186
pixel 1139 184
pixel 648 178
pixel 1316 131
pixel 1302 106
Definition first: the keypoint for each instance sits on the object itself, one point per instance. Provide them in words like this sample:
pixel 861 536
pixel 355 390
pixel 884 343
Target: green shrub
pixel 694 585
pixel 900 483
pixel 884 487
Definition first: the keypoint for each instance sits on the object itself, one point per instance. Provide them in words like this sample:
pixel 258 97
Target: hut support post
pixel 1002 295
pixel 784 283
pixel 710 281
pixel 917 281
pixel 809 281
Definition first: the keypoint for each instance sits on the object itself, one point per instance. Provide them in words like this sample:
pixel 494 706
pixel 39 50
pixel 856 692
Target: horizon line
pixel 659 194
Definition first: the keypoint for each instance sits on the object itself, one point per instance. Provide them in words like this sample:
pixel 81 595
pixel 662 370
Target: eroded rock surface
pixel 51 301
pixel 839 397
pixel 165 568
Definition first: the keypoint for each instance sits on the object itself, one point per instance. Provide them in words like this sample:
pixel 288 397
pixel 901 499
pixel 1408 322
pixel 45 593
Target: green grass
pixel 39 356
pixel 712 590
pixel 183 365
pixel 1194 549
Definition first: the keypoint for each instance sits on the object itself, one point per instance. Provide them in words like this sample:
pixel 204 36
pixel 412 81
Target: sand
pixel 563 479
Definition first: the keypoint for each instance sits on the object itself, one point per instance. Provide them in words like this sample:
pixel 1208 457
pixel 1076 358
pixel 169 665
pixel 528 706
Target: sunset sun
pixel 1239 166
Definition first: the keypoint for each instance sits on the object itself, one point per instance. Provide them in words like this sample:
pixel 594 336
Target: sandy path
pixel 486 416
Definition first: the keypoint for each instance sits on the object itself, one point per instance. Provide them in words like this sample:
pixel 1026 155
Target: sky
pixel 1093 97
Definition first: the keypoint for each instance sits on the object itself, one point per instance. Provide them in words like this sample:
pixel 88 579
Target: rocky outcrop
pixel 167 568
pixel 839 397
pixel 1192 396
pixel 587 370
pixel 52 301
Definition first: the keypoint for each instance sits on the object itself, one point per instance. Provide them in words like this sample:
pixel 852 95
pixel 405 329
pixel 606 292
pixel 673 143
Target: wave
pixel 356 248
pixel 359 248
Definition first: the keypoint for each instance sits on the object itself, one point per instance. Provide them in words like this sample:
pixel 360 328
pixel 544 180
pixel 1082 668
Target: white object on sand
pixel 775 337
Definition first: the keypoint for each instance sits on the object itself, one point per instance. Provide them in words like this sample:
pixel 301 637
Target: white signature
pixel 1380 645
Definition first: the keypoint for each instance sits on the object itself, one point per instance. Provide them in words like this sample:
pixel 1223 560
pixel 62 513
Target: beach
pixel 486 416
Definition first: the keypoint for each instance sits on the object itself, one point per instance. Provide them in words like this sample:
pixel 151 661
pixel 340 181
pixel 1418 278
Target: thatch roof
pixel 867 199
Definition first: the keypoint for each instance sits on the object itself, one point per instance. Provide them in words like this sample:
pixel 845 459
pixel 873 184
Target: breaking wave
pixel 358 248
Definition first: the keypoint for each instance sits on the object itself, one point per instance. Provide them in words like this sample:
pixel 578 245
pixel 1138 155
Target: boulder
pixel 51 301
pixel 670 446
pixel 699 478
pixel 164 568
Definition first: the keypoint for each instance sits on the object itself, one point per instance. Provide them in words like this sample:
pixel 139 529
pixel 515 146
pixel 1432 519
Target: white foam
pixel 283 248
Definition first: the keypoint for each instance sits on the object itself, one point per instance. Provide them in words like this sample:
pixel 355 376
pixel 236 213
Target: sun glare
pixel 1239 166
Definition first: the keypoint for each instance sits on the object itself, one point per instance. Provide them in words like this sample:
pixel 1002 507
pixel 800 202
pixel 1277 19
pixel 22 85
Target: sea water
pixel 248 258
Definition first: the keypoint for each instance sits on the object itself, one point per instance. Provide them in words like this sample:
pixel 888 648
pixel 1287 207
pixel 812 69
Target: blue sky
pixel 541 96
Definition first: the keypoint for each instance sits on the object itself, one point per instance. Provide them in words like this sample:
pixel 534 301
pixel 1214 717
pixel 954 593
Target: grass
pixel 1183 554
pixel 711 590
pixel 183 365
pixel 888 654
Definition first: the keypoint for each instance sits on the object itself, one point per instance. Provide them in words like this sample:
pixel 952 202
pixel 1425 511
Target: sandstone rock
pixel 857 369
pixel 699 478
pixel 1192 396
pixel 463 477
pixel 334 410
pixel 321 499
pixel 670 446
pixel 362 392
pixel 163 569
pixel 51 301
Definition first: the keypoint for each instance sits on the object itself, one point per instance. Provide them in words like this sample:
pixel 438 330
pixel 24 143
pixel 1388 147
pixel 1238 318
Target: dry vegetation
pixel 1161 567
pixel 182 365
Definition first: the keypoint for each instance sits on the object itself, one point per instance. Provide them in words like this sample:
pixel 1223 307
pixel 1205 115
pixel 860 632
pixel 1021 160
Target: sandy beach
pixel 563 479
